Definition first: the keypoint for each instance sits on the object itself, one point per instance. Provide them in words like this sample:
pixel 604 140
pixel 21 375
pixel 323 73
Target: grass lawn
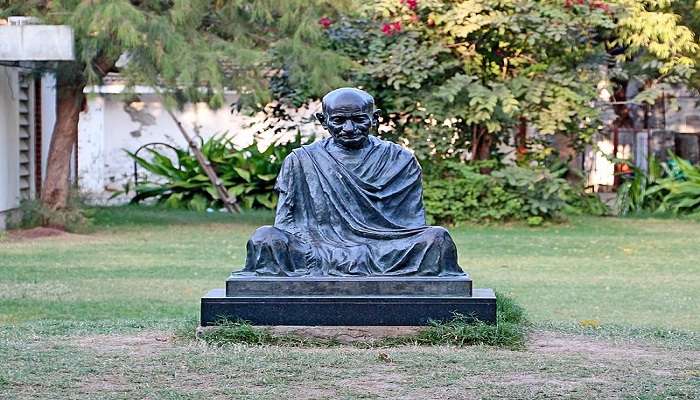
pixel 85 316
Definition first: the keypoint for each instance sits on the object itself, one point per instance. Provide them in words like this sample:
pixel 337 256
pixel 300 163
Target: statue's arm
pixel 417 171
pixel 284 187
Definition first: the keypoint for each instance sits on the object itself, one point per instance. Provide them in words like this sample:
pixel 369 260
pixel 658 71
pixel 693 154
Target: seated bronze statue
pixel 350 205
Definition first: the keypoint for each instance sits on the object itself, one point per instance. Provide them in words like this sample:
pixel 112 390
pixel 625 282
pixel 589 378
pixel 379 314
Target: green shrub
pixel 672 186
pixel 455 192
pixel 641 191
pixel 542 193
pixel 248 173
pixel 581 202
pixel 73 218
pixel 682 187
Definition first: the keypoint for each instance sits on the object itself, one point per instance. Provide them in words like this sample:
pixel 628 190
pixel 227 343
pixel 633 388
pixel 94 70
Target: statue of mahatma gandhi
pixel 350 205
pixel 349 246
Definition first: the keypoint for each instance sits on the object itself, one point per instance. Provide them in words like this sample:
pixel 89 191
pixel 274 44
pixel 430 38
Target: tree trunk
pixel 70 95
pixel 521 140
pixel 482 141
pixel 485 144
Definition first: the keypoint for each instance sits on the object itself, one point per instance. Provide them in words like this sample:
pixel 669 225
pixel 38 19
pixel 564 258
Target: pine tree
pixel 191 49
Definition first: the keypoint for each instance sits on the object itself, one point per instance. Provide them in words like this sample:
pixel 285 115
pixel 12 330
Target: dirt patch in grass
pixel 557 343
pixel 553 365
pixel 105 383
pixel 143 344
pixel 36 233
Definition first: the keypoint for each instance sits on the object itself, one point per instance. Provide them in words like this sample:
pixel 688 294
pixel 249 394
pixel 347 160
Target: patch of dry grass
pixel 151 364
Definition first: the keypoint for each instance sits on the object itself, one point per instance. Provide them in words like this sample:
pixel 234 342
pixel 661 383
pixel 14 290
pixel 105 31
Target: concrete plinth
pixel 354 310
pixel 245 286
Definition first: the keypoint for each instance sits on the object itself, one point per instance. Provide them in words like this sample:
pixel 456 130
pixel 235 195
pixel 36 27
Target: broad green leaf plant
pixel 247 173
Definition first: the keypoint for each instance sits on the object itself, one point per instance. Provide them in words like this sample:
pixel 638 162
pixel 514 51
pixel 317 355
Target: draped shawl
pixel 359 212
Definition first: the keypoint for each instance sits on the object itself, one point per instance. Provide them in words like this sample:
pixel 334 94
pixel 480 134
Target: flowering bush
pixel 455 79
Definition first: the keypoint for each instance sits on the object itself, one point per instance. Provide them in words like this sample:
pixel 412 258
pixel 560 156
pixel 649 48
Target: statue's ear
pixel 375 117
pixel 321 117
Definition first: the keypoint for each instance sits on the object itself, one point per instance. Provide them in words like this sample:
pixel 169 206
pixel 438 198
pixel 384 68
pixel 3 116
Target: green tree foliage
pixel 198 48
pixel 456 77
pixel 689 13
pixel 192 49
pixel 656 47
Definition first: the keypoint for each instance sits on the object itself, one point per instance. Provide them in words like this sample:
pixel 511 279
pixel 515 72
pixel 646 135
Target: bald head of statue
pixel 349 115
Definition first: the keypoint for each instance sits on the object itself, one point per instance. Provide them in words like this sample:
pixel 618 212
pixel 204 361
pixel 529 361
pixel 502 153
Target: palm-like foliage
pixel 247 173
pixel 641 191
pixel 682 186
pixel 672 186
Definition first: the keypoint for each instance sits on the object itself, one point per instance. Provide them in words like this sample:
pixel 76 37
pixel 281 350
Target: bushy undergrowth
pixel 241 332
pixel 249 174
pixel 508 332
pixel 455 192
pixel 671 186
pixel 72 218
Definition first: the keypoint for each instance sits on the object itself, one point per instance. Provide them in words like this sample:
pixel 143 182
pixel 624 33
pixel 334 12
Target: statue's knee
pixel 437 234
pixel 268 235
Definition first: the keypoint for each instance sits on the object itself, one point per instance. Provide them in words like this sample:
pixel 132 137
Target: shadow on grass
pixel 509 332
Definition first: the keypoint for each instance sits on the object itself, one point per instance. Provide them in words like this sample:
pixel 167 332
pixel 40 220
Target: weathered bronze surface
pixel 350 205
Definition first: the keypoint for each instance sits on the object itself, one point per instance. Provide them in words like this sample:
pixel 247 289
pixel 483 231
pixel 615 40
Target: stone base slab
pixel 346 310
pixel 251 286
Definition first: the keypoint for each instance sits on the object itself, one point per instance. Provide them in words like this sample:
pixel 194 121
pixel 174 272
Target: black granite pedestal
pixel 343 301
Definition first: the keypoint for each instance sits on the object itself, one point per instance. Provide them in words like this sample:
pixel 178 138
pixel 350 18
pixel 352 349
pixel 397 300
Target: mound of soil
pixel 35 233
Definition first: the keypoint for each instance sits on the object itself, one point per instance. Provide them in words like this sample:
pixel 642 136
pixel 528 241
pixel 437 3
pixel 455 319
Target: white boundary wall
pixel 9 141
pixel 111 125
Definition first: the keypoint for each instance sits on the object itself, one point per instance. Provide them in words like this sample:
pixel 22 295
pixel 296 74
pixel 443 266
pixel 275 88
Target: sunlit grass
pixel 150 264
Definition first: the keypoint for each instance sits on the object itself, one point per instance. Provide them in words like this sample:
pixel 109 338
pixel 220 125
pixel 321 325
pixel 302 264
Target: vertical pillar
pixel 91 139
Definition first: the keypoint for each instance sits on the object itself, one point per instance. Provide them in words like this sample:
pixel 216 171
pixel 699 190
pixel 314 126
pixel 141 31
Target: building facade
pixel 27 107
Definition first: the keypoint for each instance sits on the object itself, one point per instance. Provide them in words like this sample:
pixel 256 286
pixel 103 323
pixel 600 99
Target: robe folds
pixel 350 213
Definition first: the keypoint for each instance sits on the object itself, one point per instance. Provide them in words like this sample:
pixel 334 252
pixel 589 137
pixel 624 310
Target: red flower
pixel 325 22
pixel 599 4
pixel 391 28
pixel 411 4
pixel 386 29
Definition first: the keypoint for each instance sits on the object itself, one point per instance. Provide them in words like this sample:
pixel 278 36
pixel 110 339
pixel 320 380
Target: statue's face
pixel 349 125
pixel 349 119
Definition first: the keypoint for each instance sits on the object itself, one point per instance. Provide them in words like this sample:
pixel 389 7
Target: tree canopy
pixel 193 50
pixel 457 77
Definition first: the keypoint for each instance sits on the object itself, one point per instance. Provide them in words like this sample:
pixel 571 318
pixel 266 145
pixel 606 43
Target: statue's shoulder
pixel 309 148
pixel 294 155
pixel 394 149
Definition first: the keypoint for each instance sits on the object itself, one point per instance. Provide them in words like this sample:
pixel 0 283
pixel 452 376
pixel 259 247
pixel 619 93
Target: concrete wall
pixel 36 42
pixel 111 125
pixel 9 141
pixel 48 116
